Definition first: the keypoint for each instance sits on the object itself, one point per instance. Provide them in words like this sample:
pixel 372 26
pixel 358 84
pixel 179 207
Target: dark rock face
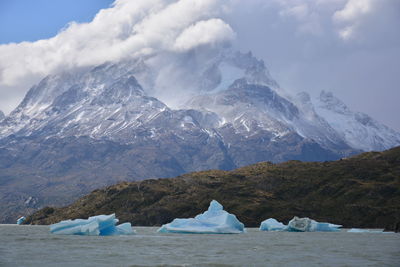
pixel 362 191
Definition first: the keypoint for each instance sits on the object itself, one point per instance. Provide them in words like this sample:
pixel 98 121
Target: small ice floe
pixel 21 220
pixel 272 225
pixel 102 225
pixel 370 231
pixel 299 225
pixel 214 221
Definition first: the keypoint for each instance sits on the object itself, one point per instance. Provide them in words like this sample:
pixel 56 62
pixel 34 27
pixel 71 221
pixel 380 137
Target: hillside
pixel 362 191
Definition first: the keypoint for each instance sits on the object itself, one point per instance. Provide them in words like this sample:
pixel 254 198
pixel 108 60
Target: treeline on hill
pixel 362 191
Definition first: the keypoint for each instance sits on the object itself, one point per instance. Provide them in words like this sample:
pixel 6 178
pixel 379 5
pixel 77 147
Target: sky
pixel 349 47
pixel 27 20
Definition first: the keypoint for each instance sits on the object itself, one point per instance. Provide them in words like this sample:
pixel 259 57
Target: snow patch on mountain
pixel 359 130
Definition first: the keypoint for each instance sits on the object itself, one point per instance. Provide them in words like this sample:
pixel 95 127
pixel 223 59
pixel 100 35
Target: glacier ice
pixel 124 229
pixel 21 220
pixel 272 224
pixel 213 221
pixel 308 225
pixel 103 225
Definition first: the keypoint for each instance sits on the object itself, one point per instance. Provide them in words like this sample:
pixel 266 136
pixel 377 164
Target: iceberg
pixel 308 225
pixel 213 221
pixel 272 225
pixel 103 225
pixel 21 220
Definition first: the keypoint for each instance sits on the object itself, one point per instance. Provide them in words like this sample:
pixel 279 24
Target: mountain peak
pixel 255 70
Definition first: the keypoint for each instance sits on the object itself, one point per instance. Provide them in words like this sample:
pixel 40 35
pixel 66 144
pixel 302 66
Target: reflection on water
pixel 35 246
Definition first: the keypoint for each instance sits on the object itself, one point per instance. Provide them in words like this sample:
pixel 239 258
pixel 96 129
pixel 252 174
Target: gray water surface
pixel 35 246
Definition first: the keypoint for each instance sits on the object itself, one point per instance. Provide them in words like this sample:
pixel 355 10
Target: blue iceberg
pixel 214 221
pixel 308 225
pixel 102 225
pixel 21 220
pixel 272 225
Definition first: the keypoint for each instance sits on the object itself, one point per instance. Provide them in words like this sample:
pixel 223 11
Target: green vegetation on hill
pixel 362 191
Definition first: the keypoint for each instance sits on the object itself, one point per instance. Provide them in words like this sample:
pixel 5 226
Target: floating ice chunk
pixel 356 230
pixel 21 220
pixel 375 231
pixel 96 225
pixel 124 229
pixel 214 221
pixel 327 227
pixel 272 225
pixel 307 225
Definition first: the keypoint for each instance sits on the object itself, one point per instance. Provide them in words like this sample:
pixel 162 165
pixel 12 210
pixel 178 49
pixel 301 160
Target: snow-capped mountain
pixel 108 103
pixel 90 127
pixel 359 130
pixel 250 108
pixel 87 102
pixel 2 116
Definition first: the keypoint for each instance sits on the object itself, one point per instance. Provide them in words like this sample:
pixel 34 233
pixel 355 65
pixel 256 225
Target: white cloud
pixel 352 16
pixel 308 15
pixel 364 20
pixel 128 28
pixel 353 10
pixel 299 11
pixel 213 31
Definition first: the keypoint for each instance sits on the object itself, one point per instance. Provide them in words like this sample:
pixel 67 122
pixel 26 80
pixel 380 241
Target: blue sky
pixel 31 20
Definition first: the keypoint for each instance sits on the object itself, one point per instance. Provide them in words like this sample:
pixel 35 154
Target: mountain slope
pixel 359 130
pixel 362 191
pixel 249 107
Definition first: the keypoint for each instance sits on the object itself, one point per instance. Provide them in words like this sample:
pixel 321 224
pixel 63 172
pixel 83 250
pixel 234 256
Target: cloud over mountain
pixel 128 28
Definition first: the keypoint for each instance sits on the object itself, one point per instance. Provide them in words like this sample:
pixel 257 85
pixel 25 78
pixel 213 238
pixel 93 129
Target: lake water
pixel 35 246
